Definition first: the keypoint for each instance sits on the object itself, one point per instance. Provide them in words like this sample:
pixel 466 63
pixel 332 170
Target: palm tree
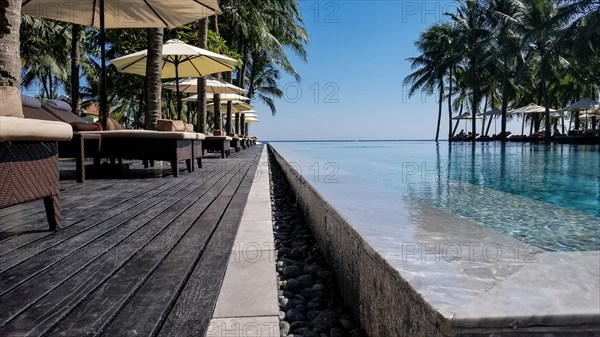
pixel 437 60
pixel 262 77
pixel 541 29
pixel 76 35
pixel 474 40
pixel 504 16
pixel 10 63
pixel 202 43
pixel 153 77
pixel 265 30
pixel 44 52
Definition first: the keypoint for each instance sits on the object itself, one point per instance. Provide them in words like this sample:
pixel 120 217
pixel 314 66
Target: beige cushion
pixel 10 102
pixel 189 128
pixel 149 134
pixel 63 115
pixel 170 125
pixel 25 129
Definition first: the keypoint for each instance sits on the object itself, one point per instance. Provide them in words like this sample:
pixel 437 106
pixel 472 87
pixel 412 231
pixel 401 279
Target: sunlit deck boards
pixel 135 257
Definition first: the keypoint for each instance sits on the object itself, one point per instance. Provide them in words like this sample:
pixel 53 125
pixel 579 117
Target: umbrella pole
pixel 177 88
pixel 103 97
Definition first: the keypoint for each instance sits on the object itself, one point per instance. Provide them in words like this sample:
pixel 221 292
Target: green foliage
pixel 512 52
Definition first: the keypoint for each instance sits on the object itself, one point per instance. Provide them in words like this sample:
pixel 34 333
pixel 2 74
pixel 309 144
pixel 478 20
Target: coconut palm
pixel 541 27
pixel 10 76
pixel 44 53
pixel 154 77
pixel 262 77
pixel 474 40
pixel 437 60
pixel 504 17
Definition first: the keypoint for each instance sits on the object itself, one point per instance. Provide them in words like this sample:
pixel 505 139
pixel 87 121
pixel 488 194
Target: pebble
pixel 284 328
pixel 309 301
pixel 293 315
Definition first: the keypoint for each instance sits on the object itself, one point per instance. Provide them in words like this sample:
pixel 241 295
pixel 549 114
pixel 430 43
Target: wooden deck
pixel 137 257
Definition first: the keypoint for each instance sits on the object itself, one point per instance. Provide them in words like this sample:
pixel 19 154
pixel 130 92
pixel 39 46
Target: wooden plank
pixel 149 307
pixel 191 314
pixel 99 308
pixel 72 236
pixel 89 210
pixel 76 288
pixel 37 213
pixel 32 220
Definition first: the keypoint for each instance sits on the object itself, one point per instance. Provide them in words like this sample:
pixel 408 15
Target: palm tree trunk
pixel 450 104
pixel 242 70
pixel 201 106
pixel 253 74
pixel 153 77
pixel 50 85
pixel 504 101
pixel 228 130
pixel 10 60
pixel 439 119
pixel 546 101
pixel 217 120
pixel 75 62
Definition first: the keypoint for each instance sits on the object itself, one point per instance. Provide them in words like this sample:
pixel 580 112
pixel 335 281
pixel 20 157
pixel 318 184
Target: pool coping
pixel 248 300
pixel 410 310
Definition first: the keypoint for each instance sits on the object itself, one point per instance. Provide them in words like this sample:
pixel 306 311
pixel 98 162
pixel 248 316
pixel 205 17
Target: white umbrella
pixel 105 14
pixel 493 112
pixel 531 108
pixel 466 115
pixel 213 86
pixel 237 107
pixel 584 104
pixel 178 60
pixel 224 97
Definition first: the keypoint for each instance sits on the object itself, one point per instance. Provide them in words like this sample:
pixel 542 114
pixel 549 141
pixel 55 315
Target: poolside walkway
pixel 142 256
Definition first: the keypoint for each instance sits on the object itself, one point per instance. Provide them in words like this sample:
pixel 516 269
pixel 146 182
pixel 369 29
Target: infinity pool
pixel 547 196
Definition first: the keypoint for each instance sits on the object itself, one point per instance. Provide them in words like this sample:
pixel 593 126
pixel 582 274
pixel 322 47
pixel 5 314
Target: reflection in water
pixel 548 196
pixel 509 189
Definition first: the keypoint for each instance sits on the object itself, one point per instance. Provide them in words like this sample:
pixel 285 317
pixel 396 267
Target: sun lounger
pixel 151 145
pixel 126 144
pixel 236 143
pixel 219 144
pixel 29 160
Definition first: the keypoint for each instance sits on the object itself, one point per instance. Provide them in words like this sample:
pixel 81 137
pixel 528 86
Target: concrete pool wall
pixel 389 301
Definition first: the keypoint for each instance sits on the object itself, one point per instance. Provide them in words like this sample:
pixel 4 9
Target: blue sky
pixel 351 86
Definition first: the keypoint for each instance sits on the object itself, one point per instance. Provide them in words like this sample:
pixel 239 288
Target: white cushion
pixel 58 104
pixel 25 129
pixel 31 102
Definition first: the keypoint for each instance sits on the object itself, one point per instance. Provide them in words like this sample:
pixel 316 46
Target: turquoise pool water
pixel 545 196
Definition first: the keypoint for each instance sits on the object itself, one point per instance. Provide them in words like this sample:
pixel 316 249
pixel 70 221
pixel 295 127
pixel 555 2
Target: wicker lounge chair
pixel 29 160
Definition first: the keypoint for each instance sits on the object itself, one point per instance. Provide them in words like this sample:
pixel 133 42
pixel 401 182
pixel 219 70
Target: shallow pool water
pixel 548 196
